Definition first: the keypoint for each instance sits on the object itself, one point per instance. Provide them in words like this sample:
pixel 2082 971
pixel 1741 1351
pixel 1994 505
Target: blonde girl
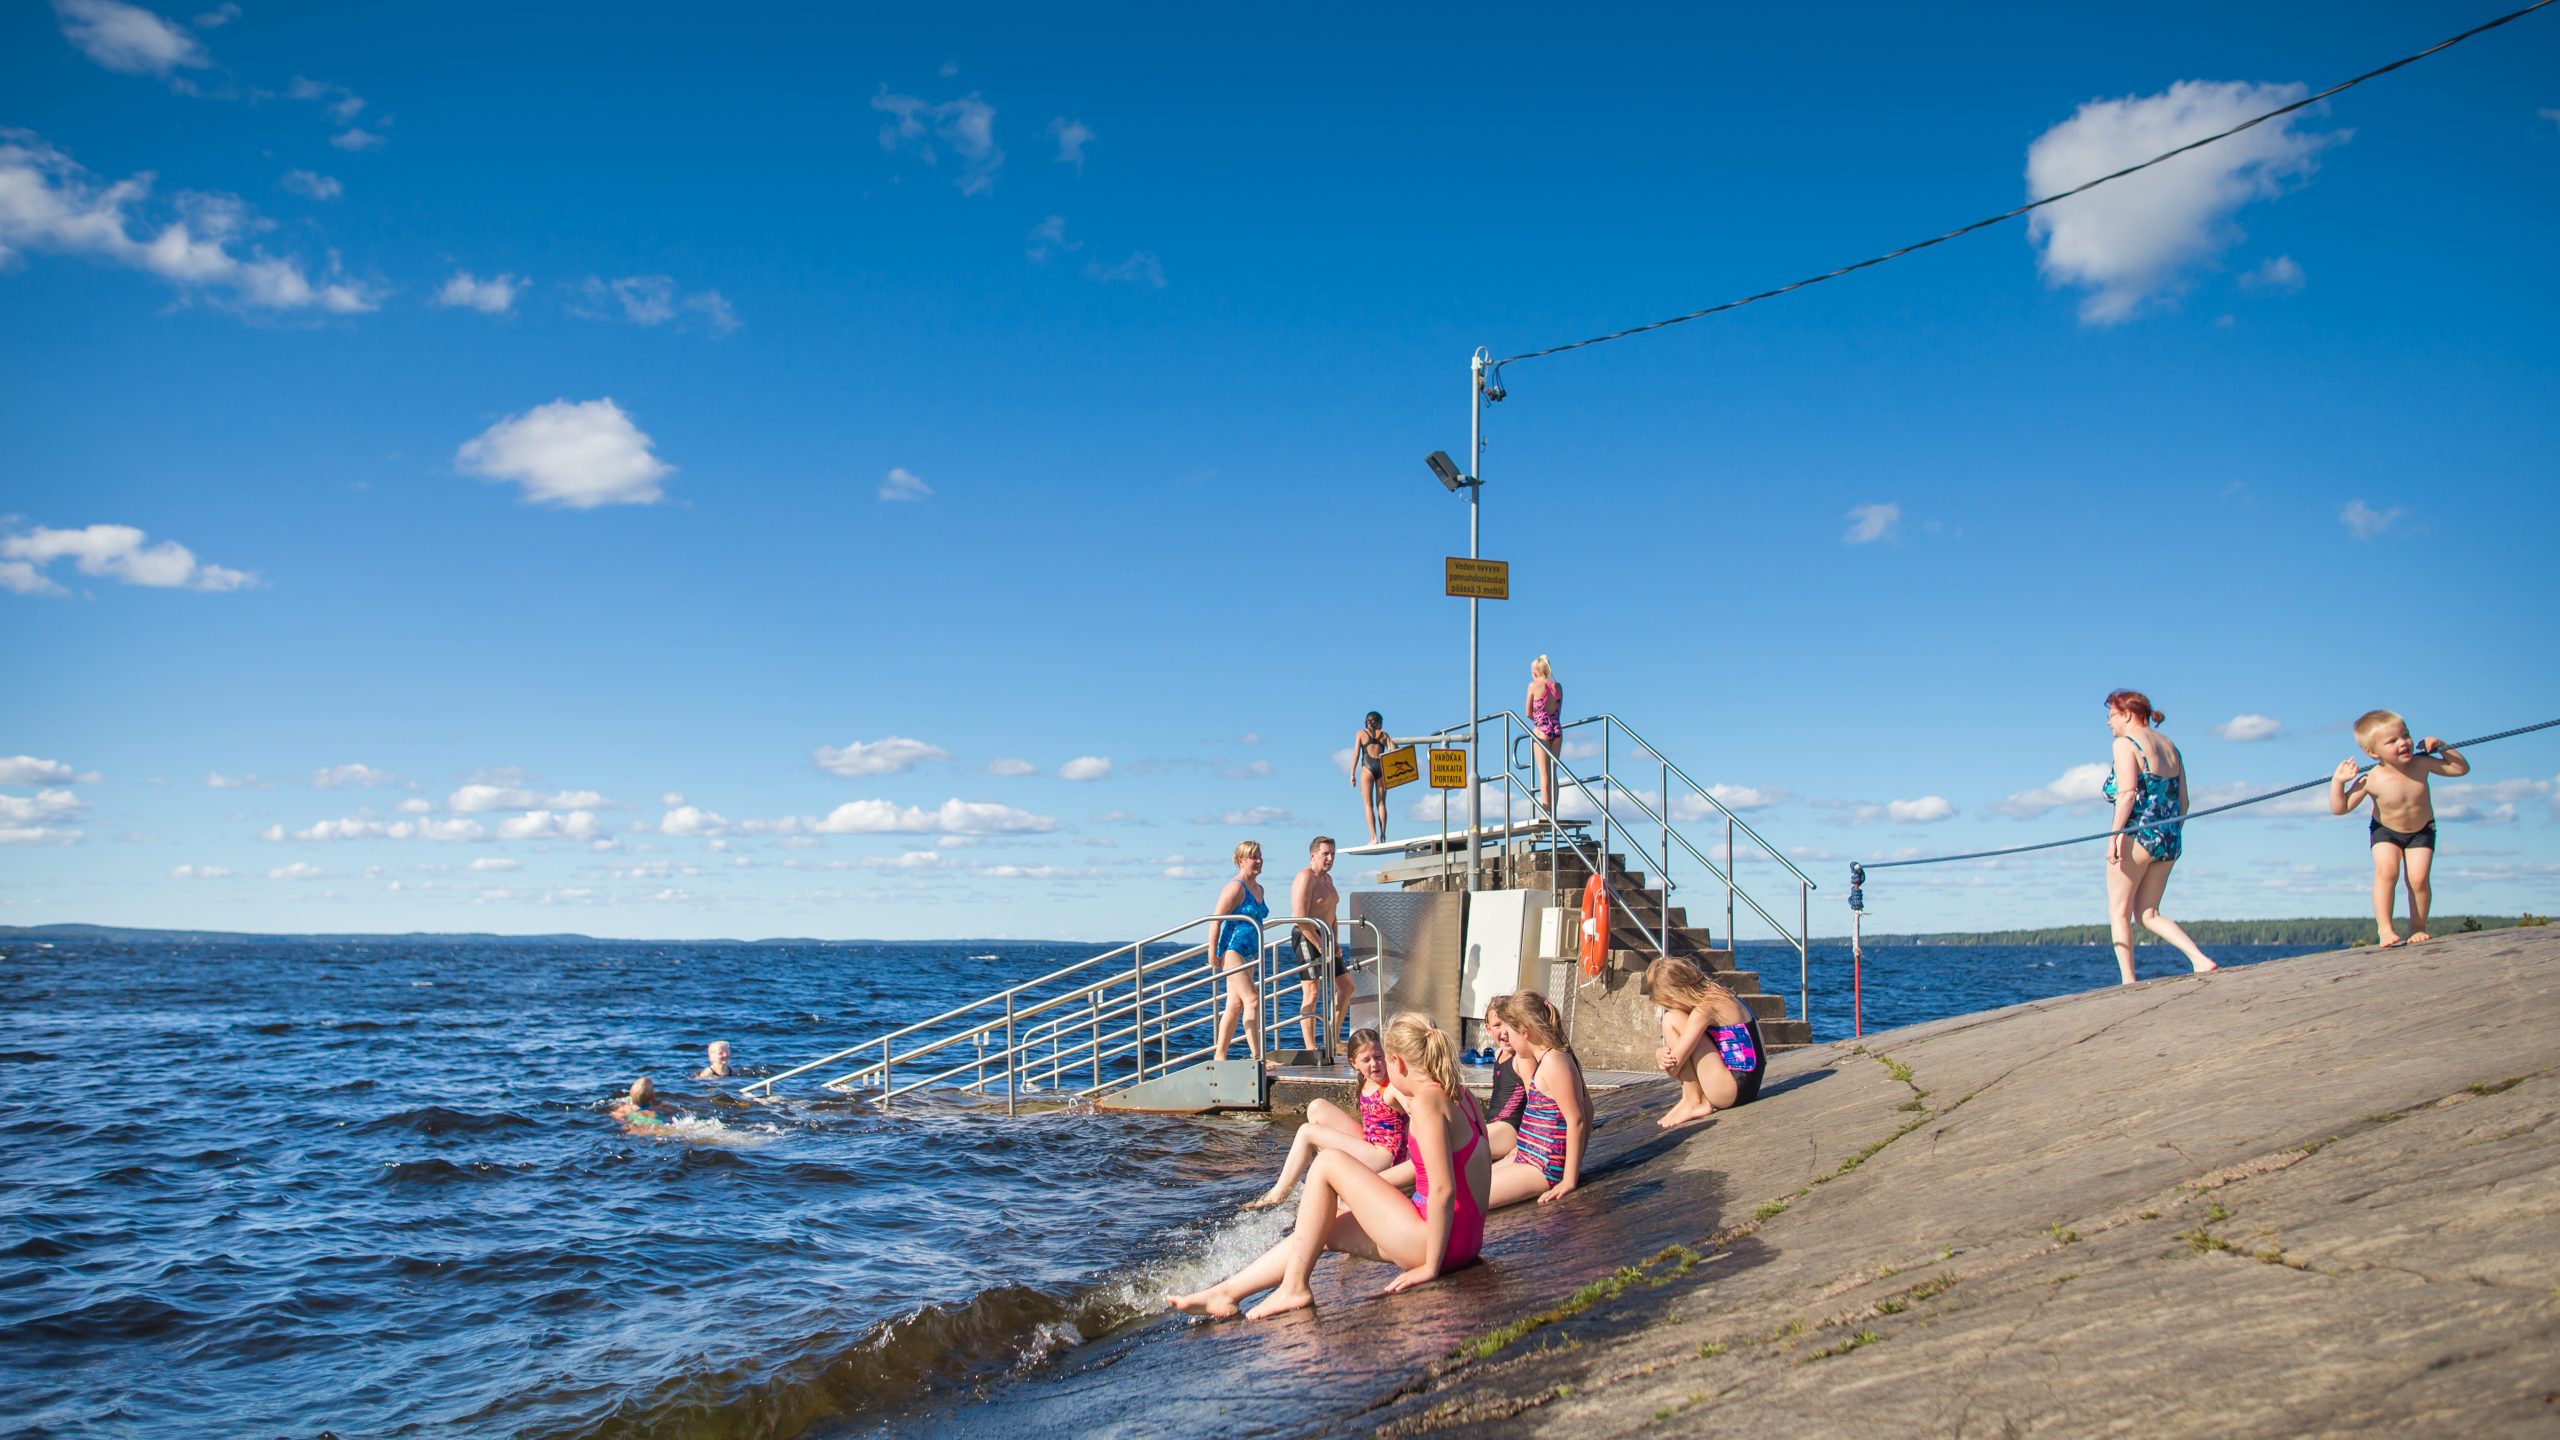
pixel 1555 1113
pixel 1376 1138
pixel 1545 709
pixel 1710 1042
pixel 1347 1208
pixel 1239 945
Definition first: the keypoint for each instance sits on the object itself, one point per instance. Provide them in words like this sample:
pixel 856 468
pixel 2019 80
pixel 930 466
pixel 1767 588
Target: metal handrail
pixel 1611 719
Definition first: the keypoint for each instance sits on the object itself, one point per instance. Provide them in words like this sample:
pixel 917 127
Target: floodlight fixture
pixel 1447 469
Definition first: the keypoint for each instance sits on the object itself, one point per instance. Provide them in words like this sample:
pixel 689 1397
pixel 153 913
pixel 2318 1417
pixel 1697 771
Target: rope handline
pixel 2182 819
pixel 2032 204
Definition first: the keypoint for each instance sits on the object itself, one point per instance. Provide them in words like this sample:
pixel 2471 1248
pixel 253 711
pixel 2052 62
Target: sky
pixel 833 472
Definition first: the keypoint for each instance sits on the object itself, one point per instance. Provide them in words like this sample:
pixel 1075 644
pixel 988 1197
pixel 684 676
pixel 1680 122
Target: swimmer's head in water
pixel 720 1053
pixel 643 1094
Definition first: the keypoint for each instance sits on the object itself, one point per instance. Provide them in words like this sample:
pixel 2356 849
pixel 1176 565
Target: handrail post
pixel 1096 998
pixel 982 1061
pixel 888 1081
pixel 1804 957
pixel 1662 921
pixel 1012 1062
pixel 1138 1005
pixel 1728 884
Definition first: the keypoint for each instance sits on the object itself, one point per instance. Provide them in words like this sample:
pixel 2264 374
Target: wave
pixel 438 1120
pixel 26 1057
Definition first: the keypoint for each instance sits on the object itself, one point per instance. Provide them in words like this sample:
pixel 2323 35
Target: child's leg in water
pixel 2421 861
pixel 1327 1128
pixel 2386 885
pixel 1348 1209
pixel 2151 881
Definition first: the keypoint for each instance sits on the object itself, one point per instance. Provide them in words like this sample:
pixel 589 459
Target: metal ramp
pixel 1127 1029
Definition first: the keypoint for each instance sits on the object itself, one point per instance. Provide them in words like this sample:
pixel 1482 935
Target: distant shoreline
pixel 2312 930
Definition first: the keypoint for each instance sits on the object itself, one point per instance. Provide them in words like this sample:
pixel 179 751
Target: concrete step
pixel 1786 1034
pixel 1767 1008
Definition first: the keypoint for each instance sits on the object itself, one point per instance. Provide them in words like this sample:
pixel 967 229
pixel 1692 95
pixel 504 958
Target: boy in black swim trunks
pixel 2403 828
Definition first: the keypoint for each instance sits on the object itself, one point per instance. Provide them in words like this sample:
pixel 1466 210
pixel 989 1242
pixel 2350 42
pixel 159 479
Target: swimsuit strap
pixel 2141 756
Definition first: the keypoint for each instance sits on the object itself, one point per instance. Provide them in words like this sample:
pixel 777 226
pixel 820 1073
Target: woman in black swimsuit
pixel 1368 754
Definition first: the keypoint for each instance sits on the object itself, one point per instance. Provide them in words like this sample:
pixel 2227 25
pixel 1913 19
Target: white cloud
pixel 298 870
pixel 40 807
pixel 1072 136
pixel 893 755
pixel 901 484
pixel 965 127
pixel 1870 523
pixel 2081 785
pixel 49 202
pixel 2243 729
pixel 28 770
pixel 574 454
pixel 2490 803
pixel 415 806
pixel 953 817
pixel 344 104
pixel 216 780
pixel 2131 239
pixel 1256 815
pixel 1927 810
pixel 357 138
pixel 1737 798
pixel 1007 765
pixel 2280 274
pixel 199 872
pixel 691 821
pixel 219 16
pixel 1085 767
pixel 2364 522
pixel 476 799
pixel 312 184
pixel 1249 770
pixel 496 862
pixel 366 827
pixel 335 776
pixel 651 300
pixel 493 296
pixel 911 860
pixel 1050 237
pixel 116 552
pixel 550 825
pixel 127 38
pixel 1141 268
pixel 2552 115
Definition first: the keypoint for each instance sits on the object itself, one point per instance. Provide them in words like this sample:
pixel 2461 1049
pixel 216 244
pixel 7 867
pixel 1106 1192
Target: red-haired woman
pixel 2148 785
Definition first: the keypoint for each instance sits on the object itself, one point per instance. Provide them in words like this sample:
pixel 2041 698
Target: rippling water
pixel 286 1186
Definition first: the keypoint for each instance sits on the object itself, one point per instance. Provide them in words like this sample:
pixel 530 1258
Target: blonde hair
pixel 643 1094
pixel 1423 1046
pixel 2372 723
pixel 1247 847
pixel 1532 1014
pixel 1678 983
pixel 1541 669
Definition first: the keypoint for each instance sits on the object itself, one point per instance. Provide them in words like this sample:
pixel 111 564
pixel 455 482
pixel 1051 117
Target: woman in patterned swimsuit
pixel 1376 1139
pixel 1710 1041
pixel 2138 872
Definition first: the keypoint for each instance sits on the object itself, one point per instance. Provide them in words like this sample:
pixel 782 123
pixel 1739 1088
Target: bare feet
pixel 2390 938
pixel 2419 937
pixel 1202 1302
pixel 1281 1301
pixel 1266 1200
pixel 2206 966
pixel 1686 1114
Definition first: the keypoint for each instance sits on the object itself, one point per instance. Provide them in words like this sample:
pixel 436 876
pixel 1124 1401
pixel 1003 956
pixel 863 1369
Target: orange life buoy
pixel 1595 926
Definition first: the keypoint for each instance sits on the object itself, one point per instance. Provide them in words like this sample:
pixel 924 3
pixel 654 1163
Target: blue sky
pixel 610 469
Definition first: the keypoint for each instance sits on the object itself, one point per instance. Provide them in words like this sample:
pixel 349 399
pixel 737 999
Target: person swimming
pixel 718 1069
pixel 638 1109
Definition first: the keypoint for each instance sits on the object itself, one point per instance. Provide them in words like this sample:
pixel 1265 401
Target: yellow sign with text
pixel 1448 769
pixel 1397 767
pixel 1478 579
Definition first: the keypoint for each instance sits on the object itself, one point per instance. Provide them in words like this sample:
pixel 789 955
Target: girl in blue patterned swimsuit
pixel 2150 807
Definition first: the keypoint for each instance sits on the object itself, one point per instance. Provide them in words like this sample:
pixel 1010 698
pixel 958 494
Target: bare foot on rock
pixel 1266 1200
pixel 1686 1114
pixel 1203 1302
pixel 1281 1302
pixel 2206 967
pixel 2419 937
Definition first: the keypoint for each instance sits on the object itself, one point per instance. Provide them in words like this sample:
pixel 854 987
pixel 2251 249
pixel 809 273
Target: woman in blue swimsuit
pixel 2150 804
pixel 1239 946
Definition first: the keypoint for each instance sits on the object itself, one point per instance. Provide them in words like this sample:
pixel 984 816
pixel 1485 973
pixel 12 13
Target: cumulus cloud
pixel 48 202
pixel 910 860
pixel 902 484
pixel 366 827
pixel 216 780
pixel 28 770
pixel 335 776
pixel 415 806
pixel 128 39
pixel 476 799
pixel 2364 522
pixel 113 552
pixel 39 808
pixel 690 821
pixel 1249 770
pixel 1085 767
pixel 2243 729
pixel 312 184
pixel 1252 816
pixel 550 825
pixel 2081 785
pixel 1050 237
pixel 1072 136
pixel 199 872
pixel 894 755
pixel 1007 765
pixel 2492 802
pixel 343 104
pixel 2132 239
pixel 1870 523
pixel 2280 274
pixel 1927 810
pixel 651 300
pixel 1141 268
pixel 574 454
pixel 357 138
pixel 1737 798
pixel 965 127
pixel 493 296
pixel 298 870
pixel 953 817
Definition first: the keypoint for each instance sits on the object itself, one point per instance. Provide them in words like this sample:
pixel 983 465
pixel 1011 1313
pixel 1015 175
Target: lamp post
pixel 1471 481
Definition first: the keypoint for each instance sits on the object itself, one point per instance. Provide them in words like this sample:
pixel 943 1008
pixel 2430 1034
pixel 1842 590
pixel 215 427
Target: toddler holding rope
pixel 2403 827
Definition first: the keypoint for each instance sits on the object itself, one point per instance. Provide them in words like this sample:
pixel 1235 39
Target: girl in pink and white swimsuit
pixel 1375 1139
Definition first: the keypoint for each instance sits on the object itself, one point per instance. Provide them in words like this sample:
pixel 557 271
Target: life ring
pixel 1595 926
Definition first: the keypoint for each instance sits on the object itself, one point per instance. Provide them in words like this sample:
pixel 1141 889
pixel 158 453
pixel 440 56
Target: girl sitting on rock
pixel 1376 1138
pixel 1710 1042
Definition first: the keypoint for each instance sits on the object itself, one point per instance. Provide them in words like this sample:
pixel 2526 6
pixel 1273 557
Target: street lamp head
pixel 1447 469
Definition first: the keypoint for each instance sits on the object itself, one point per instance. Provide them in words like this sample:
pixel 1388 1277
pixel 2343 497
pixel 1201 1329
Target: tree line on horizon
pixel 2314 930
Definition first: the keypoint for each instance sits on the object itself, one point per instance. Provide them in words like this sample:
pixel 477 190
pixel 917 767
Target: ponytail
pixel 1533 1015
pixel 1423 1046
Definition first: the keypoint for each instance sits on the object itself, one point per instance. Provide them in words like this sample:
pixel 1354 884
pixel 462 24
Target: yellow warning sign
pixel 1478 579
pixel 1397 767
pixel 1448 769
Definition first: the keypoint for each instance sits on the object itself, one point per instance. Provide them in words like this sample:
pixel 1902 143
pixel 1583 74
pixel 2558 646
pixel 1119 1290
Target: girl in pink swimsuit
pixel 1347 1208
pixel 1375 1139
pixel 1546 723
